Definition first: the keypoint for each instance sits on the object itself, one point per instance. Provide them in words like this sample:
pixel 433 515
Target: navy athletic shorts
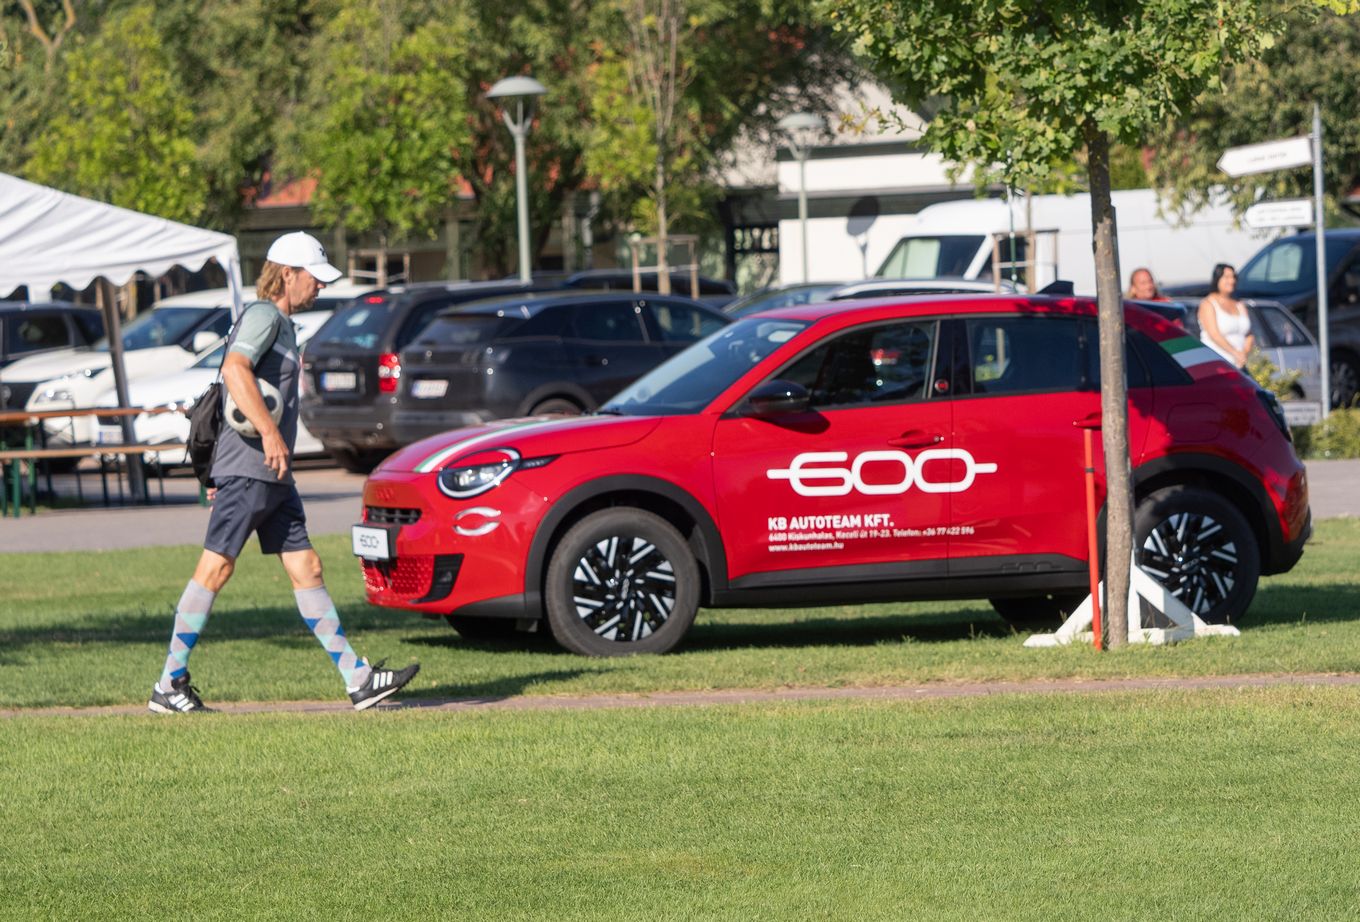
pixel 244 505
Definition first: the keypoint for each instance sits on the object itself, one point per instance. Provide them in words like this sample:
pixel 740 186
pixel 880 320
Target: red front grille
pixel 406 576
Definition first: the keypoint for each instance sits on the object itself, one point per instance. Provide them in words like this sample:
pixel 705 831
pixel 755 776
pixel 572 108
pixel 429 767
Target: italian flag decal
pixel 1193 355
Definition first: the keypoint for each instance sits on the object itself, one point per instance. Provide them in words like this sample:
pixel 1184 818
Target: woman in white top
pixel 1224 324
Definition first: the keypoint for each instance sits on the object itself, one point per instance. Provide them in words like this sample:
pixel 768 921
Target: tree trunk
pixel 1114 405
pixel 663 268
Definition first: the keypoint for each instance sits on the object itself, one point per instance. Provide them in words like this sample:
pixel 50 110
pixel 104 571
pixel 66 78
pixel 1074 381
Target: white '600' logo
pixel 808 477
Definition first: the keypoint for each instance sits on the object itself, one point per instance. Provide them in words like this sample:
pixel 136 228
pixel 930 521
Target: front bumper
pixel 449 554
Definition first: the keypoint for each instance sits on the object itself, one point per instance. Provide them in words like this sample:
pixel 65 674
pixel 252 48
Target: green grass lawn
pixel 91 628
pixel 1211 805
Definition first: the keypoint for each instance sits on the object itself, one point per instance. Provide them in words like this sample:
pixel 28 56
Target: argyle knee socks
pixel 190 616
pixel 318 611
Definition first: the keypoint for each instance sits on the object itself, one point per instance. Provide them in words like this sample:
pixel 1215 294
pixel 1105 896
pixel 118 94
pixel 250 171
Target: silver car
pixel 1282 338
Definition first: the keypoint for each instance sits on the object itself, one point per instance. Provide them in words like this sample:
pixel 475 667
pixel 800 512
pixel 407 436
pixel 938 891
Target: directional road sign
pixel 1294 212
pixel 1262 158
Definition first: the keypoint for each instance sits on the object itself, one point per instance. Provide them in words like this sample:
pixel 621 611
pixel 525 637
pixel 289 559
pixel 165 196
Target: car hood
pixel 56 364
pixel 531 436
pixel 181 387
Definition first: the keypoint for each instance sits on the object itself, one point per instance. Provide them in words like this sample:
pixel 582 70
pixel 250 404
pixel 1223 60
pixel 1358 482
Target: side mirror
pixel 777 398
pixel 203 339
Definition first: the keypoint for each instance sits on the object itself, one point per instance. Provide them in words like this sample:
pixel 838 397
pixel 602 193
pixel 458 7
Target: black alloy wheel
pixel 621 581
pixel 1200 547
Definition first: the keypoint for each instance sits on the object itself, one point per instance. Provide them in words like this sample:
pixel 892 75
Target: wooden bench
pixel 14 459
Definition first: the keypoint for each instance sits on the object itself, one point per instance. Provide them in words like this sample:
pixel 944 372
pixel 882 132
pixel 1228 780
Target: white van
pixel 973 239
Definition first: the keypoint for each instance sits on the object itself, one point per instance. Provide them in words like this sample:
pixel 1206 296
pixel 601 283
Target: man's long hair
pixel 269 286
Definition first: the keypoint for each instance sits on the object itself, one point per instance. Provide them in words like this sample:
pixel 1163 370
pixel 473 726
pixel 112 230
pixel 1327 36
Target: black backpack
pixel 205 421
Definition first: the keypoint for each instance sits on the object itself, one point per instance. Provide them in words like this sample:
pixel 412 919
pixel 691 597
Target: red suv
pixel 921 448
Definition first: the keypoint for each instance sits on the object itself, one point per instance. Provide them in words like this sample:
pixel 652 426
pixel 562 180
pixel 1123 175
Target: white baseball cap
pixel 303 251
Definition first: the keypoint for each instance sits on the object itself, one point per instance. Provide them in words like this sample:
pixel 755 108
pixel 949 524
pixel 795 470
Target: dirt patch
pixel 736 696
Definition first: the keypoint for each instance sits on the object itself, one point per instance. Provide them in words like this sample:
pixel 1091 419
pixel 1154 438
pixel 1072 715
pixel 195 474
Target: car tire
pixel 1196 544
pixel 621 581
pixel 559 406
pixel 483 629
pixel 1037 612
pixel 1344 380
pixel 356 462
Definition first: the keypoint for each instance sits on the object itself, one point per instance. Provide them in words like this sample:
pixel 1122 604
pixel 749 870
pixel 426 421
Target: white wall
pixel 834 255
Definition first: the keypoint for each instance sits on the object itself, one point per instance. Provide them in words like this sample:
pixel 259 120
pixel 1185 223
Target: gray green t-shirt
pixel 267 338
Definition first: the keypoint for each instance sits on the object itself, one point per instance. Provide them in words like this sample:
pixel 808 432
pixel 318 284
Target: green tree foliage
pixel 381 117
pixel 1267 98
pixel 125 134
pixel 1027 84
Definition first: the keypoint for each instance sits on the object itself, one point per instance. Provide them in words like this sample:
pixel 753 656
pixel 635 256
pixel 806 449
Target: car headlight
pixel 479 473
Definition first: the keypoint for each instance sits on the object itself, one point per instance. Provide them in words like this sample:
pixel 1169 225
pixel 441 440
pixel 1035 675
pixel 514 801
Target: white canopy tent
pixel 47 237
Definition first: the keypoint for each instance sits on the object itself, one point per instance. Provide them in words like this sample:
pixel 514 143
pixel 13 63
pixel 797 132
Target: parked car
pixel 179 390
pixel 32 328
pixel 779 296
pixel 839 453
pixel 714 292
pixel 549 353
pixel 1282 338
pixel 1285 271
pixel 351 368
pixel 166 338
pixel 944 285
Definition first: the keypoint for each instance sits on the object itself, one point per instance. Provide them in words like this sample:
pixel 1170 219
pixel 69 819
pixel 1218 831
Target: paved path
pixel 333 500
pixel 743 696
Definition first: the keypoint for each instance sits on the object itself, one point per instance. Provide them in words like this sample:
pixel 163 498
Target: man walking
pixel 254 483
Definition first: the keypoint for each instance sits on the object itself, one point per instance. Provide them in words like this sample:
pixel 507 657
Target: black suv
pixel 1285 270
pixel 715 292
pixel 352 370
pixel 551 353
pixel 28 328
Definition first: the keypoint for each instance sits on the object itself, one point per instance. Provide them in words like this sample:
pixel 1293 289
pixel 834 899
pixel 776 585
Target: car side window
pixel 220 323
pixel 1281 329
pixel 889 363
pixel 548 323
pixel 418 319
pixel 682 323
pixel 29 333
pixel 1028 354
pixel 617 322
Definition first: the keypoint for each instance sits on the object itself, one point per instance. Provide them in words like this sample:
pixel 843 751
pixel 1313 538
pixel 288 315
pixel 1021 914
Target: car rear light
pixel 389 372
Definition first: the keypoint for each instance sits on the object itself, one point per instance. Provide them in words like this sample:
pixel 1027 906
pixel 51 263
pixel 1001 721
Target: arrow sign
pixel 1296 212
pixel 1262 158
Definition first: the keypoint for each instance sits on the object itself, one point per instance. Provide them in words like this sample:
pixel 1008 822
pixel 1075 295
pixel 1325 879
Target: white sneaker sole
pixel 380 696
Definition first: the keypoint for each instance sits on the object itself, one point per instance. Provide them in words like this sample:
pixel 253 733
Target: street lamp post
pixel 519 93
pixel 802 128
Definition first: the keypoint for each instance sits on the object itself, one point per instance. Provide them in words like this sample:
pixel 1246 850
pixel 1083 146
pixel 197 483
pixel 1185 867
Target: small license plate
pixel 108 435
pixel 373 542
pixel 429 387
pixel 338 381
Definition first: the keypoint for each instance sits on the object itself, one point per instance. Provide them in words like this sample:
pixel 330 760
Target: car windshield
pixel 930 257
pixel 689 381
pixel 163 326
pixel 777 297
pixel 1289 267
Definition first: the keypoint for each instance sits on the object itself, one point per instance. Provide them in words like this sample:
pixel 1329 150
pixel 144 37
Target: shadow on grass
pixel 867 630
pixel 1292 604
pixel 496 689
pixel 282 625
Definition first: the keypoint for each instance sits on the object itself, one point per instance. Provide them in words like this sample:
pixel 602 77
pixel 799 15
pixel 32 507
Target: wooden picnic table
pixel 13 459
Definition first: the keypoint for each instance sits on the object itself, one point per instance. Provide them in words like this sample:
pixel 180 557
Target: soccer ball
pixel 273 402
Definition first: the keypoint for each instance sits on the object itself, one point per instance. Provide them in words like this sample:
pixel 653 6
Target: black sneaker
pixel 182 698
pixel 381 684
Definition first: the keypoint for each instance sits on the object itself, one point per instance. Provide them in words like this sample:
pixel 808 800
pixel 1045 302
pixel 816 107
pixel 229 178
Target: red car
pixel 921 448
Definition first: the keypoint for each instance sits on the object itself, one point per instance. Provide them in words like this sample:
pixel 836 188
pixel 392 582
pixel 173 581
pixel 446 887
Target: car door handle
pixel 915 438
pixel 1088 422
pixel 597 361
